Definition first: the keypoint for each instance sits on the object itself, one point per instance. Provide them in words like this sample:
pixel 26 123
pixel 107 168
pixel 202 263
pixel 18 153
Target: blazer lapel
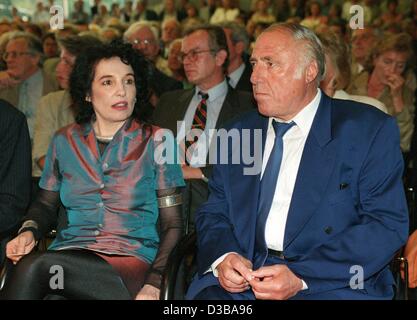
pixel 313 174
pixel 229 109
pixel 181 108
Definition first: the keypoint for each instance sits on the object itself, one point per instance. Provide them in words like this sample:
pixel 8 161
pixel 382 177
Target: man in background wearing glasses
pixel 144 37
pixel 209 105
pixel 23 56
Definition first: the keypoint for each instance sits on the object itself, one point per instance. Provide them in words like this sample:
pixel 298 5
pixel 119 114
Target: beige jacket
pixel 53 113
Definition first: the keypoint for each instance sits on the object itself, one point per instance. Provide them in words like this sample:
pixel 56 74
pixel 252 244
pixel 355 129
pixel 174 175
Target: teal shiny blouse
pixel 110 198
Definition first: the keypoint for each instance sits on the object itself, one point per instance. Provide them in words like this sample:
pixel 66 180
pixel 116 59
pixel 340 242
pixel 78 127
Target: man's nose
pixel 256 74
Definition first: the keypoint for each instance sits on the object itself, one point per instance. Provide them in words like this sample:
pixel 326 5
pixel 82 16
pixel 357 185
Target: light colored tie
pixel 24 100
pixel 26 108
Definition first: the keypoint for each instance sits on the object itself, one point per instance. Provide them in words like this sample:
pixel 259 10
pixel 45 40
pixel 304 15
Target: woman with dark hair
pixel 122 200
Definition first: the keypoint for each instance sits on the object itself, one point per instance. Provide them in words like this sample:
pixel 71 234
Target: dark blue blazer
pixel 348 207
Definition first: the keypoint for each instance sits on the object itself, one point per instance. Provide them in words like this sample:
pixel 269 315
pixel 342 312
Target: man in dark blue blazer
pixel 324 213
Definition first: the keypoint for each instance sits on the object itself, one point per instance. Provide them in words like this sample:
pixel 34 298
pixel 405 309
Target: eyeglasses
pixel 144 42
pixel 13 54
pixel 193 54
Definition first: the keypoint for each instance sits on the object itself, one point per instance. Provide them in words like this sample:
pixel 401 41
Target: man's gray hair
pixel 238 34
pixel 139 25
pixel 312 44
pixel 164 23
pixel 33 42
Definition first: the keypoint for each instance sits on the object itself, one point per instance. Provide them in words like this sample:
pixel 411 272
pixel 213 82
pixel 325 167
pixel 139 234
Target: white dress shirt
pixel 234 77
pixel 294 141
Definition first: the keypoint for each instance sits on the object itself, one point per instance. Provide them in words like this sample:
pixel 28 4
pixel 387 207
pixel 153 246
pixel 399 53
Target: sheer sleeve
pixel 170 232
pixel 43 211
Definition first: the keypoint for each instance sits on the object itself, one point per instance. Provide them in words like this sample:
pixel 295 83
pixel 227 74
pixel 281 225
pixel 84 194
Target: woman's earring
pixel 88 98
pixel 134 101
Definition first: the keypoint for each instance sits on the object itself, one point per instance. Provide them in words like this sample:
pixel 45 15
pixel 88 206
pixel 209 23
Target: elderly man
pixel 171 30
pixel 237 41
pixel 323 216
pixel 363 40
pixel 23 56
pixel 144 38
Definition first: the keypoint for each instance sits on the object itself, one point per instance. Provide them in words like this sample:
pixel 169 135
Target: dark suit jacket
pixel 15 167
pixel 161 83
pixel 150 15
pixel 348 208
pixel 172 108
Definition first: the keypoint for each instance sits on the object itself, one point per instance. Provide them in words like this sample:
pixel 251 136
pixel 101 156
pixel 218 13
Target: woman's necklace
pixel 104 138
pixel 99 136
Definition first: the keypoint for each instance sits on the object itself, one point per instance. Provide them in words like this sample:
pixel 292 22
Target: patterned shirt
pixel 110 198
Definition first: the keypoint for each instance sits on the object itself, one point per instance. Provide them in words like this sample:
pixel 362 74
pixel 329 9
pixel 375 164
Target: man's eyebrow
pixel 267 58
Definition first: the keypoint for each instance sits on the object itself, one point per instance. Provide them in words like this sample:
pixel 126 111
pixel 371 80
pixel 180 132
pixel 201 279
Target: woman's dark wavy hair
pixel 82 76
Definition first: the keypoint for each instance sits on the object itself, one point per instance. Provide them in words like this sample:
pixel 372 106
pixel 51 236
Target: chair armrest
pixel 4 272
pixel 183 252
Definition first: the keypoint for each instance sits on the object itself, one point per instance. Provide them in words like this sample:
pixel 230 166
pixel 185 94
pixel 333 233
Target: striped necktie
pixel 200 118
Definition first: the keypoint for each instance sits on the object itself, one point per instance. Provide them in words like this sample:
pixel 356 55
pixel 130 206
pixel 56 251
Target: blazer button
pixel 328 230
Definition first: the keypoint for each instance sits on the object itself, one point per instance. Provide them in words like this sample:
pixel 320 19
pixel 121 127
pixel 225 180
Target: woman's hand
pixel 148 292
pixel 396 82
pixel 20 246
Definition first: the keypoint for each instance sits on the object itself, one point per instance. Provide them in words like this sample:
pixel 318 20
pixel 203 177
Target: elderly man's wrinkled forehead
pixel 145 32
pixel 279 38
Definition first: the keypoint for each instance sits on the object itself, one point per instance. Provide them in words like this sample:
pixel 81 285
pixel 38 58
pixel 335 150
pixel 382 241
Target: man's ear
pixel 312 71
pixel 221 57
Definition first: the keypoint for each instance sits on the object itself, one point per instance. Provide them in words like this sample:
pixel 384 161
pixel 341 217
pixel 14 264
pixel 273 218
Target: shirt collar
pixel 304 119
pixel 34 79
pixel 235 75
pixel 216 91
